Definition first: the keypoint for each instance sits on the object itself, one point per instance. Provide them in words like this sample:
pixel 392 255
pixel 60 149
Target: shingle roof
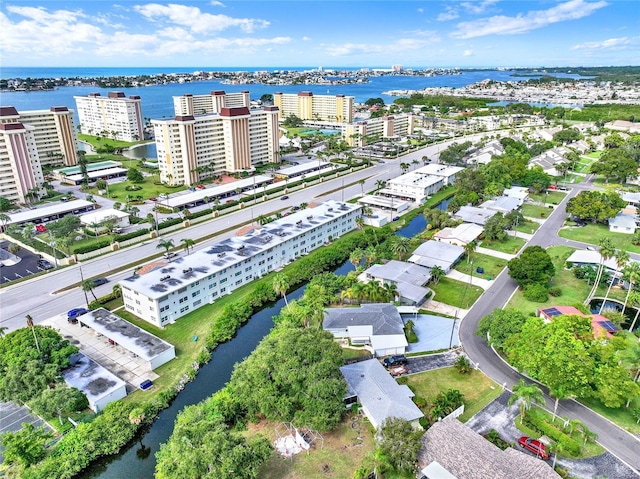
pixel 384 318
pixel 435 253
pixel 471 214
pixel 467 455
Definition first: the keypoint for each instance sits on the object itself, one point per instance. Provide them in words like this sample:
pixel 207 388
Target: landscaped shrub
pixel 167 223
pixel 535 292
pixel 494 438
pixel 537 422
pixel 102 243
pixel 132 234
pixel 412 337
pixel 555 291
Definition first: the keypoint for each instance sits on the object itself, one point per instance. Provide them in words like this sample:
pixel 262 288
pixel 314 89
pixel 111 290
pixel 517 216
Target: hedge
pixel 102 243
pixel 132 234
pixel 541 425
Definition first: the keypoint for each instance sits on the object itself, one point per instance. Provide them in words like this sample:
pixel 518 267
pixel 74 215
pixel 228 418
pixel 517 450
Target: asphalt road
pixel 623 445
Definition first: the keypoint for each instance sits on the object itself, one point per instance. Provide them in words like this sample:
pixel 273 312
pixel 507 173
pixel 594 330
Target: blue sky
pixel 447 33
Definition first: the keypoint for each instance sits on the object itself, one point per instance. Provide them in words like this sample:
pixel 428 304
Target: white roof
pixel 48 210
pixel 415 178
pixel 519 192
pixel 435 253
pixel 472 214
pixel 465 233
pixel 591 257
pixel 301 168
pixel 97 216
pixel 97 173
pixel 92 379
pixel 384 202
pixel 439 170
pixel 199 195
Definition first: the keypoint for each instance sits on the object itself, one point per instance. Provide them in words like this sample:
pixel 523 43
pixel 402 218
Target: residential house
pixel 601 326
pixel 378 327
pixel 550 159
pixel 96 218
pixel 435 253
pixel 408 278
pixel 461 235
pixel 473 214
pixel 519 192
pixel 485 154
pixel 379 395
pixel 502 204
pixel 623 223
pixel 451 450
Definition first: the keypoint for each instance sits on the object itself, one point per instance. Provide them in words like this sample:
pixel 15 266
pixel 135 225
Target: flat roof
pixel 98 173
pixel 199 195
pixel 101 165
pixel 623 220
pixel 439 170
pixel 184 270
pixel 91 378
pixel 129 336
pixel 301 168
pixel 48 210
pixel 472 214
pixel 415 179
pixel 384 202
pixel 96 216
pixel 465 232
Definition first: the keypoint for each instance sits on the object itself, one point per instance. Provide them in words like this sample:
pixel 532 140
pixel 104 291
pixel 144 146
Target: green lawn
pixel 492 266
pixel 527 226
pixel 621 416
pixel 535 211
pixel 592 233
pixel 595 155
pixel 573 290
pixel 452 292
pixel 100 142
pixel 552 197
pixel 573 179
pixel 150 189
pixel 478 390
pixel 510 245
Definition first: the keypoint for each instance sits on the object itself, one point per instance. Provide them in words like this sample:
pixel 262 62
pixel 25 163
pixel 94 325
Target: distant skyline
pixel 329 33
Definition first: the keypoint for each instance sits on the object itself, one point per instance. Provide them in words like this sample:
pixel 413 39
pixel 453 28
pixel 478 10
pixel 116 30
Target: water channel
pixel 137 461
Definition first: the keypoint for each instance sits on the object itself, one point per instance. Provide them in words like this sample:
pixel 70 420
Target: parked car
pixel 117 230
pixel 552 187
pixel 98 281
pixel 200 187
pixel 72 314
pixel 396 218
pixel 295 208
pixel 398 371
pixel 153 199
pixel 534 446
pixel 285 197
pixel 41 228
pixel 169 255
pixel 397 360
pixel 44 264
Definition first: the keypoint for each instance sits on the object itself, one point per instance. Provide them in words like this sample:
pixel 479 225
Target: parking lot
pixel 23 263
pixel 11 418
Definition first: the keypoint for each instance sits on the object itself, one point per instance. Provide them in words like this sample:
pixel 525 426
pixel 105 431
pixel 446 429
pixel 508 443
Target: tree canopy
pixel 134 175
pixel 533 266
pixel 595 206
pixel 615 164
pixel 399 443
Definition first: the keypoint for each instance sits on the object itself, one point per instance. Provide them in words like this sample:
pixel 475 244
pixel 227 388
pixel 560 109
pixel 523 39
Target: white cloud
pixel 196 20
pixel 450 13
pixel 610 44
pixel 420 10
pixel 477 8
pixel 503 25
pixel 215 3
pixel 398 46
pixel 467 53
pixel 306 39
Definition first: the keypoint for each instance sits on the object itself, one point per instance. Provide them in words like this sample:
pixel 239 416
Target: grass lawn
pixel 552 197
pixel 150 189
pixel 101 142
pixel 573 290
pixel 591 233
pixel 451 292
pixel 510 245
pixel 583 166
pixel 595 155
pixel 348 353
pixel 477 388
pixel 338 456
pixel 535 211
pixel 573 179
pixel 492 265
pixel 621 416
pixel 528 227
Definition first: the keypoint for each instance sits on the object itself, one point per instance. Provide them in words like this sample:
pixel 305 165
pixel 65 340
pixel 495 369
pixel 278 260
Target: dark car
pixel 99 281
pixel 44 264
pixel 398 360
pixel 285 197
pixel 295 208
pixel 72 315
pixel 534 446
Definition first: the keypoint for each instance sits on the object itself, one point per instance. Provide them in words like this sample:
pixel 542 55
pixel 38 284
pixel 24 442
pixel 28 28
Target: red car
pixel 534 446
pixel 153 199
pixel 200 187
pixel 41 228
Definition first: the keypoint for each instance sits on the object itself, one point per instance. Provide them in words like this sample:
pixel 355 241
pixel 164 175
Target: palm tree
pixel 30 325
pixel 622 257
pixel 606 251
pixel 527 394
pixel 166 244
pixel 634 299
pixel 415 162
pixel 2 331
pixel 280 285
pixel 380 184
pixel 116 290
pixel 425 160
pixel 436 273
pixel 361 183
pixel 400 246
pixel 355 258
pixel 370 255
pixel 359 222
pixel 391 291
pixel 87 285
pixel 187 243
pixel 404 167
pixel 4 219
pixel 632 273
pixel 469 248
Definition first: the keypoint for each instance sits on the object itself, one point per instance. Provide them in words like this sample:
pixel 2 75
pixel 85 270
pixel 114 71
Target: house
pixel 632 199
pixel 550 159
pixel 623 223
pixel 519 192
pixel 473 214
pixel 408 278
pixel 601 326
pixel 461 235
pixel 378 327
pixel 95 219
pixel 380 396
pixel 485 154
pixel 502 204
pixel 435 253
pixel 451 450
pixel 591 258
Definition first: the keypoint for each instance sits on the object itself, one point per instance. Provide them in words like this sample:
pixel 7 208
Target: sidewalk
pixel 495 253
pixel 438 307
pixel 457 275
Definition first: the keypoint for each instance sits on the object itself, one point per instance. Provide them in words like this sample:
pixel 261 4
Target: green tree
pixel 616 165
pixel 401 246
pixel 356 257
pixel 527 395
pixel 631 273
pixel 134 175
pixel 622 258
pixel 23 382
pixel 567 135
pixel 606 251
pixel 59 400
pixel 399 443
pixel 436 274
pixel 501 324
pixel 166 244
pixel 25 446
pixel 6 205
pixel 595 206
pixel 495 228
pixel 187 244
pixel 281 285
pixel 533 266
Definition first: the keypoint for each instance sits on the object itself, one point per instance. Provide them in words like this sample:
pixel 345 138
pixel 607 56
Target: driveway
pixel 501 417
pixel 428 362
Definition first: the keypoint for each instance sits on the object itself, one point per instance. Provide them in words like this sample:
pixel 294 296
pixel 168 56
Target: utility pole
pixel 86 298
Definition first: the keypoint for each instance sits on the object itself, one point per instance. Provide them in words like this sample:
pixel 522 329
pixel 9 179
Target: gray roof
pixel 408 277
pixel 48 210
pixel 631 198
pixel 471 214
pixel 380 395
pixel 384 318
pixel 92 379
pixel 504 204
pixel 465 233
pixel 623 220
pixel 467 455
pixel 436 253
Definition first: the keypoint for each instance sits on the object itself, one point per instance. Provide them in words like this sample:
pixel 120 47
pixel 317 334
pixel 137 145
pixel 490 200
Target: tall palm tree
pixel 380 184
pixel 391 291
pixel 166 244
pixel 187 243
pixel 469 248
pixel 370 255
pixel 280 285
pixel 87 285
pixel 3 330
pixel 622 257
pixel 527 394
pixel 400 246
pixel 359 222
pixel 361 183
pixel 632 273
pixel 607 251
pixel 355 258
pixel 4 220
pixel 436 273
pixel 30 325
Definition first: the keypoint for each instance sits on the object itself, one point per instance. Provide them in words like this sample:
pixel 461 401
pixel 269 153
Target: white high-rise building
pixel 307 106
pixel 114 116
pixel 206 104
pixel 191 148
pixel 20 170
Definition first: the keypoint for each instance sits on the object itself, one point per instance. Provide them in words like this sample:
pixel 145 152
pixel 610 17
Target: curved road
pixel 622 444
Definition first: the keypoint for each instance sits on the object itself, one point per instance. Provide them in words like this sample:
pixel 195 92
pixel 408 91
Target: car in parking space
pixel 200 187
pixel 534 446
pixel 41 228
pixel 72 314
pixel 396 360
pixel 295 208
pixel 285 197
pixel 169 255
pixel 398 371
pixel 153 199
pixel 44 264
pixel 98 281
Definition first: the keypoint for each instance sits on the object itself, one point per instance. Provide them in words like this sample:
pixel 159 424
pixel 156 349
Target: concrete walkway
pixel 442 308
pixel 495 253
pixel 457 275
pixel 520 234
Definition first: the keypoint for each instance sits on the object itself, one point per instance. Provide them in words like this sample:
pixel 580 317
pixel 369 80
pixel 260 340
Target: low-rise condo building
pixel 360 133
pixel 113 116
pixel 170 290
pixel 307 106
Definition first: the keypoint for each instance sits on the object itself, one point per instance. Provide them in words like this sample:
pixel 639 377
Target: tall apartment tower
pixel 55 133
pixel 191 148
pixel 307 106
pixel 384 127
pixel 114 116
pixel 20 169
pixel 206 104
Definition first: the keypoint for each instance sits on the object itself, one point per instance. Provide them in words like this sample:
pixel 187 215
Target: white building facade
pixel 20 169
pixel 114 116
pixel 207 104
pixel 167 293
pixel 307 106
pixel 395 126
